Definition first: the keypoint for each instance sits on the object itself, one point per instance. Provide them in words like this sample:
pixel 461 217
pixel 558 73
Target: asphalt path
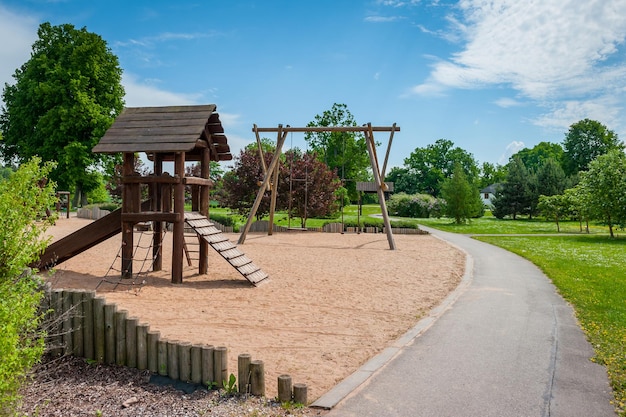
pixel 508 345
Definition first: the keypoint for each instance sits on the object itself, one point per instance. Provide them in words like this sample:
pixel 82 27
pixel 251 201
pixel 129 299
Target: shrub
pixel 414 205
pixel 24 198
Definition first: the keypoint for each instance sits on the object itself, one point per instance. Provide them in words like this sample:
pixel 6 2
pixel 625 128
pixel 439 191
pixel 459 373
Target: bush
pixel 24 198
pixel 414 205
pixel 223 219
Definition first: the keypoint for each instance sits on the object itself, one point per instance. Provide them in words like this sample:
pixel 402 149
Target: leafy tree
pixel 404 180
pixel 515 195
pixel 24 196
pixel 491 174
pixel 462 199
pixel 307 187
pixel 584 142
pixel 428 167
pixel 243 182
pixel 550 178
pixel 64 99
pixel 343 152
pixel 554 207
pixel 603 188
pixel 537 155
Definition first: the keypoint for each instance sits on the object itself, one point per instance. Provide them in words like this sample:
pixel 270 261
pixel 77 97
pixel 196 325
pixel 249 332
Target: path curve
pixel 508 346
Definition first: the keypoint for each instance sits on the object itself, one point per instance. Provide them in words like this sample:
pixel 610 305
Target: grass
pixel 589 273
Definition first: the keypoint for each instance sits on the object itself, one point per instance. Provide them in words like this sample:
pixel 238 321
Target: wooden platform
pixel 228 250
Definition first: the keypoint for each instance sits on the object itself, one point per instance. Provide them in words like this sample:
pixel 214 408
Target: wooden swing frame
pixel 270 173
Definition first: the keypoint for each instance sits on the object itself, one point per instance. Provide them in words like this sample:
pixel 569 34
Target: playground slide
pixel 83 239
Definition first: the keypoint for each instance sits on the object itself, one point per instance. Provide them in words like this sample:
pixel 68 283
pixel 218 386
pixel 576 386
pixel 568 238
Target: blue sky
pixel 491 76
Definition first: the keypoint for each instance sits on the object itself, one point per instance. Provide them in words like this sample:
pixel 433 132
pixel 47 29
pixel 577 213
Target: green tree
pixel 64 99
pixel 603 188
pixel 584 142
pixel 537 155
pixel 491 174
pixel 554 207
pixel 462 198
pixel 514 197
pixel 343 152
pixel 428 167
pixel 24 196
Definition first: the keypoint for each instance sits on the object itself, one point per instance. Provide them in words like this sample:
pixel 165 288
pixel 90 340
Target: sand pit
pixel 332 302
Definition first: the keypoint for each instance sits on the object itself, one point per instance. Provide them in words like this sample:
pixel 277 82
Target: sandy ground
pixel 332 301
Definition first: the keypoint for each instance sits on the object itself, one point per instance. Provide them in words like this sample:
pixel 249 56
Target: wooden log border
pixel 87 326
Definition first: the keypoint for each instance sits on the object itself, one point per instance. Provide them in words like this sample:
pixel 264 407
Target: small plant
pixel 290 405
pixel 230 386
pixel 98 413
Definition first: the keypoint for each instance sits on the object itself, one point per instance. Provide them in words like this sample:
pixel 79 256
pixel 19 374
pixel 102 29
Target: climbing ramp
pixel 229 251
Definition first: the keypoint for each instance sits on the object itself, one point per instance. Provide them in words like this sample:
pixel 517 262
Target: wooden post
pixel 157 227
pixel 88 324
pixel 120 337
pixel 142 346
pixel 57 330
pixel 131 342
pixel 220 365
pixel 203 263
pixel 273 196
pixel 196 364
pixel 109 333
pixel 162 357
pixel 208 373
pixel 153 351
pixel 371 149
pixel 257 202
pixel 243 372
pixel 284 388
pixel 67 323
pixel 77 324
pixel 127 207
pixel 98 329
pixel 179 225
pixel 257 378
pixel 172 359
pixel 184 361
pixel 300 394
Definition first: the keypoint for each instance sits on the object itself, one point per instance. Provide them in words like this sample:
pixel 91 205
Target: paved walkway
pixel 504 344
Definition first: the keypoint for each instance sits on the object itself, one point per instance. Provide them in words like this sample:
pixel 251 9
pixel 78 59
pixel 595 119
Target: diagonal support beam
pixel 282 135
pixel 371 150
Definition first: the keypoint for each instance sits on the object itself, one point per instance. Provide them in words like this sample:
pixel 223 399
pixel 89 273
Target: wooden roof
pixel 167 130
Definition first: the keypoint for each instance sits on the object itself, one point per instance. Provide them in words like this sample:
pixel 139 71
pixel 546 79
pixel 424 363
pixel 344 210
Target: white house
pixel 488 193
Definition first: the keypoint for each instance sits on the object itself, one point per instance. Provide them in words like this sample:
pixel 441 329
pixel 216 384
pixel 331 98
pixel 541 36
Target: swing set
pixel 270 173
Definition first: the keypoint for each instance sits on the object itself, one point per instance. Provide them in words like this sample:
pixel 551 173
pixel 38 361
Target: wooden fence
pixel 84 325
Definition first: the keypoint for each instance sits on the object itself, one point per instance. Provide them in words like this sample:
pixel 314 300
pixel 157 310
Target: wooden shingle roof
pixel 167 130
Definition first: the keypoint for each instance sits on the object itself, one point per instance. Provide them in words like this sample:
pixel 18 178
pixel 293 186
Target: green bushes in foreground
pixel 24 197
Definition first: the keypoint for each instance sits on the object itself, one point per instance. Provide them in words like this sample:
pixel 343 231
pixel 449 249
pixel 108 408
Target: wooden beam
pixel 362 129
pixel 149 216
pixel 371 149
pixel 257 202
pixel 178 239
pixel 198 181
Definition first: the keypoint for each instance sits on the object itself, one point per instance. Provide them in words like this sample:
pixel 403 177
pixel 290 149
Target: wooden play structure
pixel 271 172
pixel 177 134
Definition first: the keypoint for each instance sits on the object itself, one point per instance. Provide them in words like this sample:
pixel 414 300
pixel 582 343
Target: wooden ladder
pixel 228 250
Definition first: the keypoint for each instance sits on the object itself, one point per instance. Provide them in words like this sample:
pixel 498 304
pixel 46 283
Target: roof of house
pixel 167 130
pixel 371 187
pixel 491 189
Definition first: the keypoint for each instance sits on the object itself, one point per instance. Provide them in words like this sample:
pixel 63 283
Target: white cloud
pixel 382 19
pixel 563 54
pixel 506 102
pixel 511 149
pixel 141 94
pixel 561 115
pixel 18 32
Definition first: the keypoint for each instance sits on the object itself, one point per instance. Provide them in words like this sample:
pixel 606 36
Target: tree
pixel 462 199
pixel 344 152
pixel 428 167
pixel 24 196
pixel 603 188
pixel 307 187
pixel 63 101
pixel 243 182
pixel 491 174
pixel 554 207
pixel 537 155
pixel 514 197
pixel 584 142
pixel 550 178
